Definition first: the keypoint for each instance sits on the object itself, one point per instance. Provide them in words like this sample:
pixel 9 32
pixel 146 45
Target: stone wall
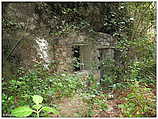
pixel 38 46
pixel 89 48
pixel 26 53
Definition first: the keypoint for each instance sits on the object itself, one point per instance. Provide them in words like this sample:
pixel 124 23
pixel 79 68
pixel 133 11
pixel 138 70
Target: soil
pixel 76 107
pixel 72 107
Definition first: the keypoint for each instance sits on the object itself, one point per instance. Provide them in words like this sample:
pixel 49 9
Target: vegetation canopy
pixel 78 59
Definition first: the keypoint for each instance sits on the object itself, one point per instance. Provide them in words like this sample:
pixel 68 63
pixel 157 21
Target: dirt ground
pixel 76 107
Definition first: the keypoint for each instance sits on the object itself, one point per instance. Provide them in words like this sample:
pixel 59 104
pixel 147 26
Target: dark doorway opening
pixel 100 62
pixel 103 55
pixel 76 57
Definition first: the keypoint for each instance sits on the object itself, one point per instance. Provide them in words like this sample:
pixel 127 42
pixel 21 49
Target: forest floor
pixel 72 107
pixel 113 110
pixel 76 107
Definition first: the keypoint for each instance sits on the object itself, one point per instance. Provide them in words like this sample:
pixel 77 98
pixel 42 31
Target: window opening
pixel 76 57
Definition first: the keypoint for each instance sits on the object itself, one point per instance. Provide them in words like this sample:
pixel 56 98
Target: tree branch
pixel 140 20
pixel 13 49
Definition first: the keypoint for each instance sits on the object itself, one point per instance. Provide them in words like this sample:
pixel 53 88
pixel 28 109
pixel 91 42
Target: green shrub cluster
pixel 37 108
pixel 139 102
pixel 18 92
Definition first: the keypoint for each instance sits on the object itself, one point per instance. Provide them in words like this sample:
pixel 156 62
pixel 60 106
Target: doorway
pixel 104 56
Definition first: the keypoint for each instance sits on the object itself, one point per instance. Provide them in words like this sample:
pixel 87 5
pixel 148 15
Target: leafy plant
pixel 139 102
pixel 25 111
pixel 96 103
pixel 94 97
pixel 64 84
pixel 38 81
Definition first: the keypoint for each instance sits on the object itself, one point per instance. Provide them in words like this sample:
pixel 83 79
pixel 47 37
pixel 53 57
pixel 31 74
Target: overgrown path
pixel 113 110
pixel 72 107
pixel 76 107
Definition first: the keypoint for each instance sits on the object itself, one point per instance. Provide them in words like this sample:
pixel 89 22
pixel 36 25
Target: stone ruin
pixel 88 48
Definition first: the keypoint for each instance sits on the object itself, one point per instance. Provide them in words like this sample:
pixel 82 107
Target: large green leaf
pixel 23 111
pixel 37 99
pixel 37 107
pixel 49 109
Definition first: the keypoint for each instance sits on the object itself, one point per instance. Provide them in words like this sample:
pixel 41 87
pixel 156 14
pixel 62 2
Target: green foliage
pixel 64 85
pixel 94 97
pixel 26 111
pixel 134 68
pixel 7 104
pixel 135 62
pixel 139 102
pixel 136 46
pixel 76 62
pixel 144 71
pixel 38 81
pixel 95 102
pixel 49 109
pixel 37 99
pixel 11 25
pixel 116 19
pixel 22 111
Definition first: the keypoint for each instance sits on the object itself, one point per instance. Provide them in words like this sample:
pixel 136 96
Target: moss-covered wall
pixel 89 45
pixel 27 23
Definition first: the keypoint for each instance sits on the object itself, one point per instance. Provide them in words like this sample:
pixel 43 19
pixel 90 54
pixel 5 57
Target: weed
pixel 25 111
pixel 139 102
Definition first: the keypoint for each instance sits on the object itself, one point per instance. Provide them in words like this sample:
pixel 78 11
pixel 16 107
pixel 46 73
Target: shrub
pixel 26 111
pixel 15 91
pixel 139 102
